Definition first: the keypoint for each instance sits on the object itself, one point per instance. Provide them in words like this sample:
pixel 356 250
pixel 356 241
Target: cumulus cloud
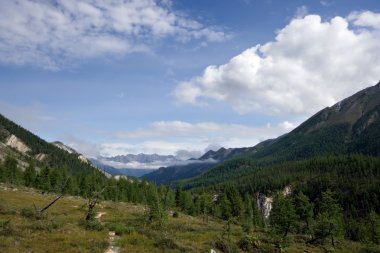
pixel 365 19
pixel 52 33
pixel 311 64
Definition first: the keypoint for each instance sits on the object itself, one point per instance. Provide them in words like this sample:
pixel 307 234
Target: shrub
pixel 249 243
pixel 92 224
pixel 225 246
pixel 167 243
pixel 28 212
pixel 42 225
pixel 120 228
pixel 6 227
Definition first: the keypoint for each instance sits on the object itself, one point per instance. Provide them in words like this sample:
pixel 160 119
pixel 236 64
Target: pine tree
pixel 205 205
pixel 329 221
pixel 30 175
pixel 374 227
pixel 304 211
pixel 236 201
pixel 283 215
pixel 157 215
pixel 248 214
pixel 225 207
pixel 11 170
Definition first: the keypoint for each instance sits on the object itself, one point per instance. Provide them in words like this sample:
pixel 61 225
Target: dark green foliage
pixel 249 243
pixel 157 215
pixel 248 216
pixel 374 227
pixel 11 173
pixel 329 221
pixel 92 224
pixel 225 207
pixel 28 212
pixel 283 216
pixel 168 174
pixel 120 228
pixel 204 201
pixel 304 212
pixel 30 175
pixel 186 202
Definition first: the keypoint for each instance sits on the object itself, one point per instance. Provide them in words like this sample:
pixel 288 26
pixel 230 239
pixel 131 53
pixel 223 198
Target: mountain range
pixel 26 147
pixel 194 166
pixel 351 126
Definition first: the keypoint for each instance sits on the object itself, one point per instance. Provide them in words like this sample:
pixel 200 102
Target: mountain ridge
pixel 351 126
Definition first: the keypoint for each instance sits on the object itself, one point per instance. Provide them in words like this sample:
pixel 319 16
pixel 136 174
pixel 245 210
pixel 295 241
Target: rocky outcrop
pixel 62 146
pixel 83 159
pixel 17 144
pixel 40 157
pixel 264 204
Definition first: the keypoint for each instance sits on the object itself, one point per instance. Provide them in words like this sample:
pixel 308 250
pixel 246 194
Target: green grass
pixel 62 229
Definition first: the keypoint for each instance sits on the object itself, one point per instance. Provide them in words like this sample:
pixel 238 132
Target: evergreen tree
pixel 256 214
pixel 186 203
pixel 44 179
pixel 205 205
pixel 11 170
pixel 283 215
pixel 157 215
pixel 248 213
pixel 225 207
pixel 236 201
pixel 3 172
pixel 30 175
pixel 374 227
pixel 329 221
pixel 304 211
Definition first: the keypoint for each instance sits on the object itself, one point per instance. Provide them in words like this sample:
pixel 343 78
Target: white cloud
pixel 311 64
pixel 301 11
pixel 51 33
pixel 183 139
pixel 205 130
pixel 365 19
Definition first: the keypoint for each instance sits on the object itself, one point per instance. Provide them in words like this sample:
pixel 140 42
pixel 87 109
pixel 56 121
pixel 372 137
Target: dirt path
pixel 111 236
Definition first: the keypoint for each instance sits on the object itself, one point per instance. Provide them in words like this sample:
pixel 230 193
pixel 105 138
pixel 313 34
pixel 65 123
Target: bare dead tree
pixel 92 201
pixel 39 212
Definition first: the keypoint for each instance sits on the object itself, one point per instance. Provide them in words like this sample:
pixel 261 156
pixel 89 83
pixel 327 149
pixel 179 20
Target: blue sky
pixel 164 76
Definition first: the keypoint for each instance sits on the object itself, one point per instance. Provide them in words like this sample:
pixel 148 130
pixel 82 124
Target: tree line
pixel 313 209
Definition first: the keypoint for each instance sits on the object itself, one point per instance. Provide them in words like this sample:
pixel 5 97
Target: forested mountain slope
pixel 44 153
pixel 351 126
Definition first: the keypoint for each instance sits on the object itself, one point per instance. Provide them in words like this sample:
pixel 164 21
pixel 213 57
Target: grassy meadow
pixel 62 229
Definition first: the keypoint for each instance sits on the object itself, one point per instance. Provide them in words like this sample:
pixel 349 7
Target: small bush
pixel 249 243
pixel 227 247
pixel 120 228
pixel 42 225
pixel 6 228
pixel 167 243
pixel 28 212
pixel 91 225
